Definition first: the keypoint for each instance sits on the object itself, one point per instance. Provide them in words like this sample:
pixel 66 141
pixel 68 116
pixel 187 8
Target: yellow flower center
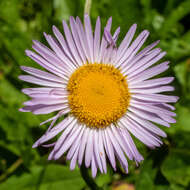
pixel 98 94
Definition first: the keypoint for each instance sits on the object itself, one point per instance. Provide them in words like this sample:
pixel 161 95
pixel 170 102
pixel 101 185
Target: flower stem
pixel 89 180
pixel 11 169
pixel 87 7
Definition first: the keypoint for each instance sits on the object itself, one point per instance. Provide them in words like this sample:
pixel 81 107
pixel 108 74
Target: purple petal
pixel 83 145
pixel 125 43
pixel 89 148
pixel 97 151
pixel 147 125
pixel 77 40
pixel 89 36
pixel 109 148
pixel 149 73
pixel 59 127
pixel 148 116
pixel 97 39
pixel 151 83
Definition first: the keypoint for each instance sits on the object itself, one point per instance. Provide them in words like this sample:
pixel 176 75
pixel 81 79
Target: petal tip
pixel 35 145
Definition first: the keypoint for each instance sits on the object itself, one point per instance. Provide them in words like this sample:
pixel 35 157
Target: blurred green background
pixel 24 168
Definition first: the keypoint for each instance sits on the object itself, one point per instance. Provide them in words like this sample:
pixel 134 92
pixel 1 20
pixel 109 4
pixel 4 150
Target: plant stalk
pixel 87 7
pixel 88 179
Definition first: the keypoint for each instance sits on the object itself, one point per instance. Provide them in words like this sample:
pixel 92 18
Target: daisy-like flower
pixel 106 92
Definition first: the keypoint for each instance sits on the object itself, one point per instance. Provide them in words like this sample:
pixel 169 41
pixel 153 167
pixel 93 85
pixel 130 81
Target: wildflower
pixel 106 92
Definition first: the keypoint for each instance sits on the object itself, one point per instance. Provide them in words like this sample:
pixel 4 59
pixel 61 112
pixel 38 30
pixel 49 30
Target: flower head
pixel 107 93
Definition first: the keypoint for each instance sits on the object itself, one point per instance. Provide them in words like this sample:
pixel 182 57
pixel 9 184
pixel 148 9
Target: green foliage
pixel 146 177
pixel 166 168
pixel 176 167
pixel 49 177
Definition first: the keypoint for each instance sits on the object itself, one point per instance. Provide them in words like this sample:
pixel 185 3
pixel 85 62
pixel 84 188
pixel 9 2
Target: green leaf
pixel 176 187
pixel 170 23
pixel 176 167
pixel 145 179
pixel 182 74
pixel 183 119
pixel 57 177
pixel 180 71
pixel 63 9
pixel 103 179
pixel 12 121
pixel 16 134
pixel 25 182
pixel 162 187
pixel 53 176
pixel 7 7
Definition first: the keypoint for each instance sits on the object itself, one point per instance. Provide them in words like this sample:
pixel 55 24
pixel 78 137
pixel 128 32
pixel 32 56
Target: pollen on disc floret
pixel 98 94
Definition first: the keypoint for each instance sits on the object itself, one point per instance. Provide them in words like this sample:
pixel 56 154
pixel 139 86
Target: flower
pixel 105 92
